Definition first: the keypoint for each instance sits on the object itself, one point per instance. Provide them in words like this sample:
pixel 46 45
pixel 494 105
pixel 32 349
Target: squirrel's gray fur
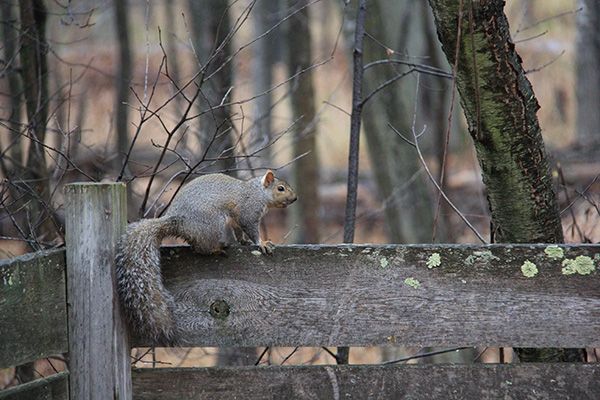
pixel 210 213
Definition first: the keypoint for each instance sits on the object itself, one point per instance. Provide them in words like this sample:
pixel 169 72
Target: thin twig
pixel 261 356
pixel 449 125
pixel 426 167
pixel 353 153
pixel 541 21
pixel 289 355
pixel 582 194
pixel 541 67
pixel 423 355
pixel 386 84
pixel 422 68
pixel 432 179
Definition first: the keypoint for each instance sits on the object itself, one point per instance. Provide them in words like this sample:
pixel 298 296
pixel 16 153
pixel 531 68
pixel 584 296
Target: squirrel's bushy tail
pixel 147 304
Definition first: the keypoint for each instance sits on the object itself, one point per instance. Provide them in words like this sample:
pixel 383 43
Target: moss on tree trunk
pixel 501 108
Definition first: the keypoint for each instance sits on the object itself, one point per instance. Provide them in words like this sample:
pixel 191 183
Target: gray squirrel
pixel 210 213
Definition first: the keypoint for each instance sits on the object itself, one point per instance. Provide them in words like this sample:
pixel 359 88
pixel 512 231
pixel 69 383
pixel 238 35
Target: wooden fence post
pixel 99 364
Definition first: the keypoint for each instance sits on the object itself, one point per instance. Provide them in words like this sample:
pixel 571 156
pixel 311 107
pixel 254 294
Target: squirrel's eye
pixel 280 188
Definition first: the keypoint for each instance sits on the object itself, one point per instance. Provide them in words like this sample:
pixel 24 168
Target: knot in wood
pixel 219 309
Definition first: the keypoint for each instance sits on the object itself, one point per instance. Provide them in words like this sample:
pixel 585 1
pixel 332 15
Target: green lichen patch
pixel 7 277
pixel 554 252
pixel 383 262
pixel 483 257
pixel 568 267
pixel 434 260
pixel 582 265
pixel 412 282
pixel 529 269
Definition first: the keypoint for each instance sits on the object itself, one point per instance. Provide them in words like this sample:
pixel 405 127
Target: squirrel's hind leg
pixel 251 229
pixel 206 237
pixel 237 234
pixel 212 247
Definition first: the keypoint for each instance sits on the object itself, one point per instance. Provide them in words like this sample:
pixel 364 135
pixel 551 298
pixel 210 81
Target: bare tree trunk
pixel 263 18
pixel 171 46
pixel 210 27
pixel 500 108
pixel 355 122
pixel 437 104
pixel 123 79
pixel 408 202
pixel 34 69
pixel 173 60
pixel 10 39
pixel 305 218
pixel 588 73
pixel 35 182
pixel 343 353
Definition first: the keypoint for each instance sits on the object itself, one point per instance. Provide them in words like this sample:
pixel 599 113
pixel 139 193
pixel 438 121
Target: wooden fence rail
pixel 357 382
pixel 33 307
pixel 377 295
pixel 54 387
pixel 422 295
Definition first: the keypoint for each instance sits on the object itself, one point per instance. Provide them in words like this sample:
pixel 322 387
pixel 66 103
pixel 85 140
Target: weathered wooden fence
pixel 422 295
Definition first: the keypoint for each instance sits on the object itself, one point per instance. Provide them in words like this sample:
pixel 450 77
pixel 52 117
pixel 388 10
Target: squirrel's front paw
pixel 266 247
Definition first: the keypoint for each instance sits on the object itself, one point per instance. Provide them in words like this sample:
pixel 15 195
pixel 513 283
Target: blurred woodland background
pixel 154 93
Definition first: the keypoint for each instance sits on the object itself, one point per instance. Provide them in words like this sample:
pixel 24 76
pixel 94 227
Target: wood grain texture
pixel 98 345
pixel 336 296
pixel 54 387
pixel 467 381
pixel 33 307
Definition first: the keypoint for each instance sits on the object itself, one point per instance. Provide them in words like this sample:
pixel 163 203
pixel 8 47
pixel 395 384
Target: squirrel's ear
pixel 268 178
